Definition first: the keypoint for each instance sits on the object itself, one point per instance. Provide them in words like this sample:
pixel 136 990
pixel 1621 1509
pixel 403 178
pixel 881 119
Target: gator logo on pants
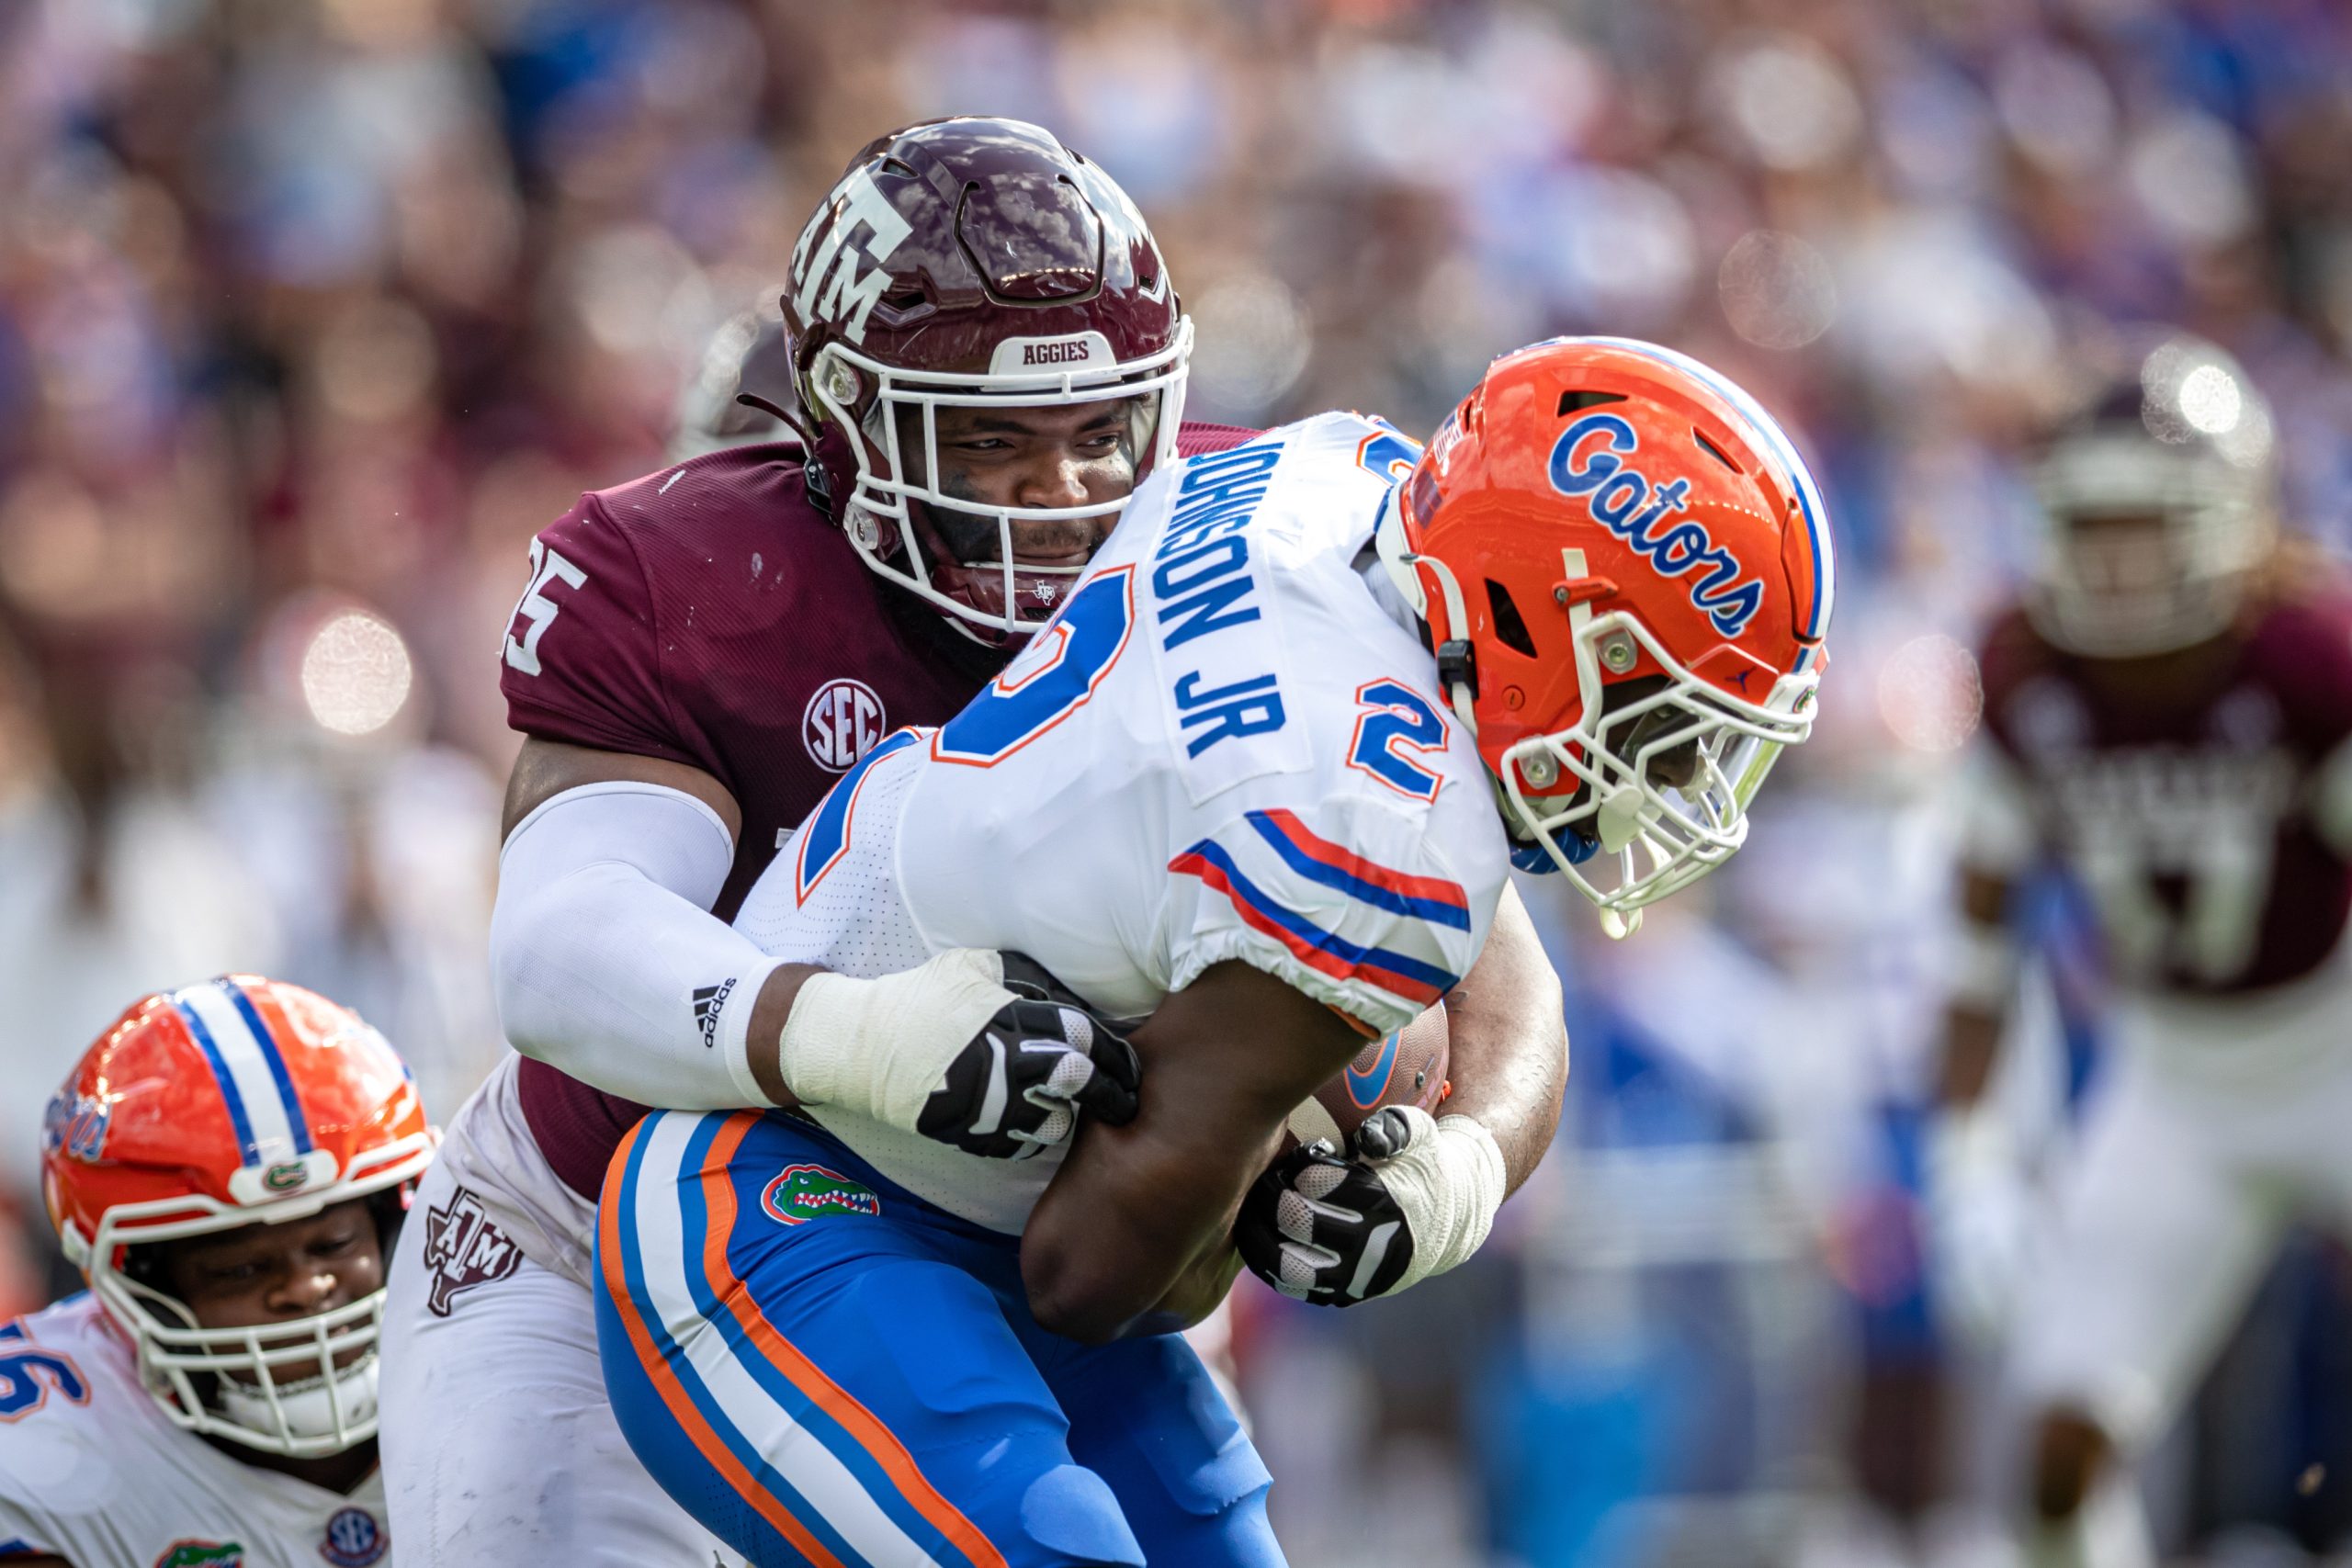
pixel 803 1192
pixel 202 1554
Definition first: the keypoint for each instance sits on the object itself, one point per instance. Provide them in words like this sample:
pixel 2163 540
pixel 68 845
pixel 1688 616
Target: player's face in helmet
pixel 225 1164
pixel 258 1276
pixel 1071 459
pixel 962 270
pixel 2156 497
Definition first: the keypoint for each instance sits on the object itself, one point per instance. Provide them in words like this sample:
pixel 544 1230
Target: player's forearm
pixel 1971 1051
pixel 1133 1208
pixel 607 963
pixel 1195 1294
pixel 1117 1235
pixel 1509 1042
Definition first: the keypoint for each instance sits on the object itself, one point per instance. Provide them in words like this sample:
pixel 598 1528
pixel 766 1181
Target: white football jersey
pixel 92 1471
pixel 1228 745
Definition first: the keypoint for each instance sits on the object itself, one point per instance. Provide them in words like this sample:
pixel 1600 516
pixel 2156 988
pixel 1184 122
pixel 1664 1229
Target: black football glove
pixel 1017 1089
pixel 1325 1229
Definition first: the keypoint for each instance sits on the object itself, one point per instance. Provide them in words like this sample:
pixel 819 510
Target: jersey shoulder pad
pixel 1350 900
pixel 627 587
pixel 2301 651
pixel 1194 439
pixel 40 1359
pixel 55 1464
pixel 580 662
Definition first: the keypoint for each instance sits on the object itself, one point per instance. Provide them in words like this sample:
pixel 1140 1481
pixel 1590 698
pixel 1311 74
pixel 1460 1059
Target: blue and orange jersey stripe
pixel 1430 899
pixel 1325 952
pixel 728 1292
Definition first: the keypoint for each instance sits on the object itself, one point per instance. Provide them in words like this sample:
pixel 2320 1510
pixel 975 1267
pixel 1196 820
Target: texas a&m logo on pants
pixel 841 722
pixel 463 1248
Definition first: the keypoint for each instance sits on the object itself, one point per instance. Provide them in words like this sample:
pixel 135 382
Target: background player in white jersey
pixel 1247 781
pixel 2167 715
pixel 228 1165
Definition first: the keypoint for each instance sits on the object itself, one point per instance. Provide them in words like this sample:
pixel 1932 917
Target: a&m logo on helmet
pixel 1593 459
pixel 803 1192
pixel 828 283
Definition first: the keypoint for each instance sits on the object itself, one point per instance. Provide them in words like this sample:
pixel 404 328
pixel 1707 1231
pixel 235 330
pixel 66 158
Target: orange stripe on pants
pixel 681 1405
pixel 719 1200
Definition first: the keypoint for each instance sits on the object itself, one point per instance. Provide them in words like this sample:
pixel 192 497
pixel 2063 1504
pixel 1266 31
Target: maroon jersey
pixel 711 615
pixel 2191 808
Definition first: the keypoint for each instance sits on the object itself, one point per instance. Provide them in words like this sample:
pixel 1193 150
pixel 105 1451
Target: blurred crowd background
pixel 311 312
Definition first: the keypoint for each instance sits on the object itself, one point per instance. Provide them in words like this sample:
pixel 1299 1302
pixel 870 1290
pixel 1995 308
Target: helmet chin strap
pixel 1400 563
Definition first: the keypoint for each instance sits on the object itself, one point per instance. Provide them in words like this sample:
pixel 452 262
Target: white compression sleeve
pixel 605 959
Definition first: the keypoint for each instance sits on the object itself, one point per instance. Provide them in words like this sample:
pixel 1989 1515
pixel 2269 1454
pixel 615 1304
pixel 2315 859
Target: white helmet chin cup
pixel 312 1409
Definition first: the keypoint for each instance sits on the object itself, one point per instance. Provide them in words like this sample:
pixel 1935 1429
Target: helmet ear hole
pixel 1510 627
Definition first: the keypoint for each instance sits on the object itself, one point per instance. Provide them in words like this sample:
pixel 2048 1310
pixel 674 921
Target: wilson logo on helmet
pixel 1586 462
pixel 830 286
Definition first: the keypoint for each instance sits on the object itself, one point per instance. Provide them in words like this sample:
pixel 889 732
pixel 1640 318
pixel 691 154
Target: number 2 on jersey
pixel 1052 678
pixel 27 1373
pixel 1397 721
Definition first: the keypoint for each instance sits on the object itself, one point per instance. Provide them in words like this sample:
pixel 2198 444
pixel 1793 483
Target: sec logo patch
pixel 354 1539
pixel 841 722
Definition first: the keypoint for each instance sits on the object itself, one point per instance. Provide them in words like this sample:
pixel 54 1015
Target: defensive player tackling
pixel 988 351
pixel 1259 778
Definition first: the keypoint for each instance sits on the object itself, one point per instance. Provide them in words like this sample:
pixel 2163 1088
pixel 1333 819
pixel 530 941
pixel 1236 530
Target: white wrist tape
pixel 1449 1181
pixel 878 1049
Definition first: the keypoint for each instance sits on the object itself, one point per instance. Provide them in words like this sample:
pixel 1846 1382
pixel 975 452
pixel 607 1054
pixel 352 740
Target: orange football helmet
pixel 241 1101
pixel 1626 572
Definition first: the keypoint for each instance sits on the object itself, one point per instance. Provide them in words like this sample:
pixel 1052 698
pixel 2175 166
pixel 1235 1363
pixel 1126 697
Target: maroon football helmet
pixel 970 263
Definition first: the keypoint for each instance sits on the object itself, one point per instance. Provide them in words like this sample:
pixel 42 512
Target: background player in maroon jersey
pixel 987 353
pixel 2167 712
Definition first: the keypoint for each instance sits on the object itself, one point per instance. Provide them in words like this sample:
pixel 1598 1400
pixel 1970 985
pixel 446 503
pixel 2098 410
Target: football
pixel 1407 1067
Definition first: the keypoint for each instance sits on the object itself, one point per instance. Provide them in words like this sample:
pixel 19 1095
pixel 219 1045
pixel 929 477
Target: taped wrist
pixel 878 1049
pixel 1448 1182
